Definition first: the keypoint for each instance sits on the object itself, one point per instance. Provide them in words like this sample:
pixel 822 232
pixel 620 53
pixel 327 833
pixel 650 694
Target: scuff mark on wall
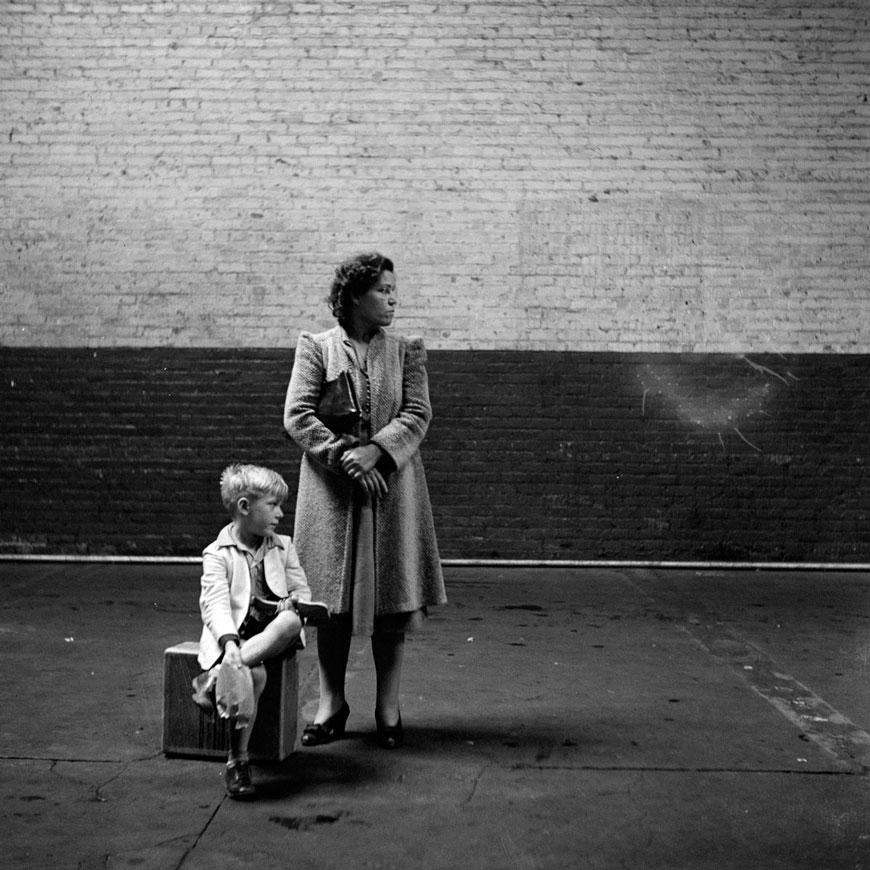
pixel 718 405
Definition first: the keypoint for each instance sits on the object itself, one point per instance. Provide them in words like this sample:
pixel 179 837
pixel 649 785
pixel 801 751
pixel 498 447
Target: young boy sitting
pixel 251 582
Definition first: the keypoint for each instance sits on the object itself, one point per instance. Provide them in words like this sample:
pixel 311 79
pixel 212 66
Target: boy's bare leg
pixel 238 773
pixel 241 737
pixel 273 639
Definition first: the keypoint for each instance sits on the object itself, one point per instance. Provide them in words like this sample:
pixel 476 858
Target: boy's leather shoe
pixel 238 781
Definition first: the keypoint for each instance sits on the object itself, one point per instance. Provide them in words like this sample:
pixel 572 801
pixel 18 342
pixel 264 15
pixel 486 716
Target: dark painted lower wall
pixel 530 455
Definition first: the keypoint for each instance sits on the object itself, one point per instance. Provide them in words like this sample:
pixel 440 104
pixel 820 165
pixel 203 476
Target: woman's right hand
pixel 361 459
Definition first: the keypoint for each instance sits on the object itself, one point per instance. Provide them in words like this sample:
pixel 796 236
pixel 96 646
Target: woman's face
pixel 377 306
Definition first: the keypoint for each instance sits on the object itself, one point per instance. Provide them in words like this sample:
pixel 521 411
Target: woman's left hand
pixel 359 461
pixel 373 483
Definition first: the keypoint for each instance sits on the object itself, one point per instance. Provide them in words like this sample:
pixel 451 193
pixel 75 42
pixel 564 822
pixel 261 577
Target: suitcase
pixel 189 731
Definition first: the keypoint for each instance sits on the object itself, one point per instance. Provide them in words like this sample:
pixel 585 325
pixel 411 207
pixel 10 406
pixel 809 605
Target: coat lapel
pixel 273 569
pixel 384 371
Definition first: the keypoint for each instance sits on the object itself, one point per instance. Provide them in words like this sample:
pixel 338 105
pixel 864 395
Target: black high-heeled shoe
pixel 331 729
pixel 390 736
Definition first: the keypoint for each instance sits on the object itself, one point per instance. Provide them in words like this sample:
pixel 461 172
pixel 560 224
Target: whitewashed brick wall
pixel 656 176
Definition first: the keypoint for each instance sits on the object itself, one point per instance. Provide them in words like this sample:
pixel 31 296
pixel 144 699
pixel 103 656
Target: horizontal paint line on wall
pixel 487 563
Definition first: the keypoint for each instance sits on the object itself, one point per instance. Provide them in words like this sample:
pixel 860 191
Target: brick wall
pixel 633 235
pixel 629 176
pixel 531 455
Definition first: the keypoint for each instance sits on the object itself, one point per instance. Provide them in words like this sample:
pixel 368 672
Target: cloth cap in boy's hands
pixel 234 693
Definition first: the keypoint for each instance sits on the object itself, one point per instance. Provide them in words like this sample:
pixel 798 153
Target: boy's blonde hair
pixel 250 480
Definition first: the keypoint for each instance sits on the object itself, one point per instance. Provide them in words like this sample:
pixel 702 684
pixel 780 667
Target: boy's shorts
pixel 255 621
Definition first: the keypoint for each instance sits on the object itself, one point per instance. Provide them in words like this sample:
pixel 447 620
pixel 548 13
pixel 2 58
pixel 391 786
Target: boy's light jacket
pixel 407 566
pixel 225 587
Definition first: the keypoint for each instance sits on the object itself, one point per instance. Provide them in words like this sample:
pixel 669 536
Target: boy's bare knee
pixel 290 624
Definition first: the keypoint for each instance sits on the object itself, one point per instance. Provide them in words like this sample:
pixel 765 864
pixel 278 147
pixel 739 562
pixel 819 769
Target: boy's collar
pixel 227 538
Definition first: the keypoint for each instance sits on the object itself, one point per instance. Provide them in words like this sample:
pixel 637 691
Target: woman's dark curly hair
pixel 353 278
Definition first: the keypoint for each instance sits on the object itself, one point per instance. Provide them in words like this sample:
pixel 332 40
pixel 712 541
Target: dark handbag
pixel 338 408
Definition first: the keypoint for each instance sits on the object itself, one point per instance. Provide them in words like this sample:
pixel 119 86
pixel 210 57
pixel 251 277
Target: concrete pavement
pixel 555 718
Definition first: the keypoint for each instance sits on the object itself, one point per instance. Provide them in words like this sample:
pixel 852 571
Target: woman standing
pixel 364 528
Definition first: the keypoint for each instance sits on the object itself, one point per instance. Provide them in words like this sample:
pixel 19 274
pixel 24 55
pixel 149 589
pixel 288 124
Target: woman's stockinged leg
pixel 333 649
pixel 388 650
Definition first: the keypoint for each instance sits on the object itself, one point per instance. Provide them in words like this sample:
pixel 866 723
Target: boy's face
pixel 263 514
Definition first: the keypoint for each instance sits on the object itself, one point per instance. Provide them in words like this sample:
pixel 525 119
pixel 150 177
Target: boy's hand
pixel 233 654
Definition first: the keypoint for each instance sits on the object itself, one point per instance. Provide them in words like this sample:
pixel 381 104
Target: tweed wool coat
pixel 407 566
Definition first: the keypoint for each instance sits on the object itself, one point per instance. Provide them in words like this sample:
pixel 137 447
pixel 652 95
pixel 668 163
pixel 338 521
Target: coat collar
pixel 375 345
pixel 227 538
pixel 376 338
